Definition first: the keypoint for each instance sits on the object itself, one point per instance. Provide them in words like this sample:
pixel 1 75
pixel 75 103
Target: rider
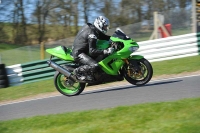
pixel 84 47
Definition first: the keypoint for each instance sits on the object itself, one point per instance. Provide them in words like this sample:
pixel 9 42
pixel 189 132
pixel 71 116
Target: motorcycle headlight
pixel 133 49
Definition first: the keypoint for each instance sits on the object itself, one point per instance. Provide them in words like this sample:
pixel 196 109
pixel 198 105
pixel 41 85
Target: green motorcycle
pixel 119 65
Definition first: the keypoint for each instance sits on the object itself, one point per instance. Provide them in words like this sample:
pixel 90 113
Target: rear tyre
pixel 3 86
pixel 2 66
pixel 65 86
pixel 138 77
pixel 2 82
pixel 2 71
pixel 3 77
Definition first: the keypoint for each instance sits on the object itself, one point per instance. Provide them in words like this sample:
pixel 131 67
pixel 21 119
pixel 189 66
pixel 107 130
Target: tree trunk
pixel 23 22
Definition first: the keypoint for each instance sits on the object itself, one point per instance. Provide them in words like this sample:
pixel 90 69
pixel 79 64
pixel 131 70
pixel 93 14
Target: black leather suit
pixel 84 48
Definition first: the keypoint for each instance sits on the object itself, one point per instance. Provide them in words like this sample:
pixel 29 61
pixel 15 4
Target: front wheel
pixel 67 87
pixel 138 72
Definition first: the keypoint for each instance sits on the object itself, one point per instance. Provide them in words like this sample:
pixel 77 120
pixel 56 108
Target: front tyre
pixel 67 87
pixel 138 72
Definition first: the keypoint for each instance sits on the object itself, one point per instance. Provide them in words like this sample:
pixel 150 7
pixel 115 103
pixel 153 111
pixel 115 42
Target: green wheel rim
pixel 68 89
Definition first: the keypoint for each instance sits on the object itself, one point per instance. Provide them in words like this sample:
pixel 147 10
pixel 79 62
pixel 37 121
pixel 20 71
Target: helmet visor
pixel 106 28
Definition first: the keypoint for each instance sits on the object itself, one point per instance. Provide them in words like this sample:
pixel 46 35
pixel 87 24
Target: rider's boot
pixel 78 72
pixel 84 72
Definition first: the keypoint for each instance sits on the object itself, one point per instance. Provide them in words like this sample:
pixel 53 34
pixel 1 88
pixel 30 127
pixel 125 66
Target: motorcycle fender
pixel 136 57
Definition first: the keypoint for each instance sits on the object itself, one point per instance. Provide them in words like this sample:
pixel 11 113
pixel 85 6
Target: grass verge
pixel 4 46
pixel 181 116
pixel 176 66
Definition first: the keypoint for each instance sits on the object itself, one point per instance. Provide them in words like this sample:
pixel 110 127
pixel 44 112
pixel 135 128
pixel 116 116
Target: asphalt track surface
pixel 154 91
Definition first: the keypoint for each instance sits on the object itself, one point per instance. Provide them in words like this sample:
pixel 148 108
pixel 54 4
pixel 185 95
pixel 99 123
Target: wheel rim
pixel 66 88
pixel 141 75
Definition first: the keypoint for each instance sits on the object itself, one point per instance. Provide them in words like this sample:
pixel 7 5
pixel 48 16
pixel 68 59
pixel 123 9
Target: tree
pixel 109 10
pixel 3 36
pixel 4 20
pixel 41 13
pixel 65 16
pixel 75 15
pixel 19 23
pixel 59 19
pixel 183 3
pixel 23 22
pixel 130 12
pixel 90 9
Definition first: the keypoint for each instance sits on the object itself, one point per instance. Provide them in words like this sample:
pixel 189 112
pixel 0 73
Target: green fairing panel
pixel 136 57
pixel 126 42
pixel 113 63
pixel 125 52
pixel 60 53
pixel 111 66
pixel 102 44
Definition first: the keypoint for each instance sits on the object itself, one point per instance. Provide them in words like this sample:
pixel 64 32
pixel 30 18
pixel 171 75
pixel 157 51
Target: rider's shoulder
pixel 91 27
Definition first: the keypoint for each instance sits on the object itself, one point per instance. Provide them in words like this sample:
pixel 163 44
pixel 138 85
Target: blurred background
pixel 27 26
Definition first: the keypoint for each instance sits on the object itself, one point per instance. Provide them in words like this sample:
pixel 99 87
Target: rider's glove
pixel 110 41
pixel 108 51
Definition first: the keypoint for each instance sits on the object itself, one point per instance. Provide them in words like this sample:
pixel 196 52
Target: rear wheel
pixel 2 66
pixel 138 72
pixel 2 77
pixel 2 71
pixel 66 86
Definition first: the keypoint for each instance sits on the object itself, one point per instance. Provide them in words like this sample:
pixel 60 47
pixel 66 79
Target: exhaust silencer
pixel 60 69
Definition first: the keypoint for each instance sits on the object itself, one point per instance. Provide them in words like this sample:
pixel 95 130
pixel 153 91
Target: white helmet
pixel 102 23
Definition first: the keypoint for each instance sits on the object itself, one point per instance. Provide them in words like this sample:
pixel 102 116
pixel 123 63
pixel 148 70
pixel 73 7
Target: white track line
pixel 97 89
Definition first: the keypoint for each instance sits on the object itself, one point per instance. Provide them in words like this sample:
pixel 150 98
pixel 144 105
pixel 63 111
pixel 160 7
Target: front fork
pixel 127 62
pixel 134 68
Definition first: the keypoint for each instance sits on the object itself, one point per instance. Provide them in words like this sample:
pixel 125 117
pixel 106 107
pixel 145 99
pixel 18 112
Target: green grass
pixel 176 66
pixel 29 54
pixel 26 90
pixel 4 47
pixel 181 31
pixel 181 116
pixel 144 36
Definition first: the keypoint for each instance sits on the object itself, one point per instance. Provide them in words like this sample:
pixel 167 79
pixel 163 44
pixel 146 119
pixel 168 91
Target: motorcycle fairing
pixel 102 44
pixel 112 64
pixel 136 57
pixel 61 52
